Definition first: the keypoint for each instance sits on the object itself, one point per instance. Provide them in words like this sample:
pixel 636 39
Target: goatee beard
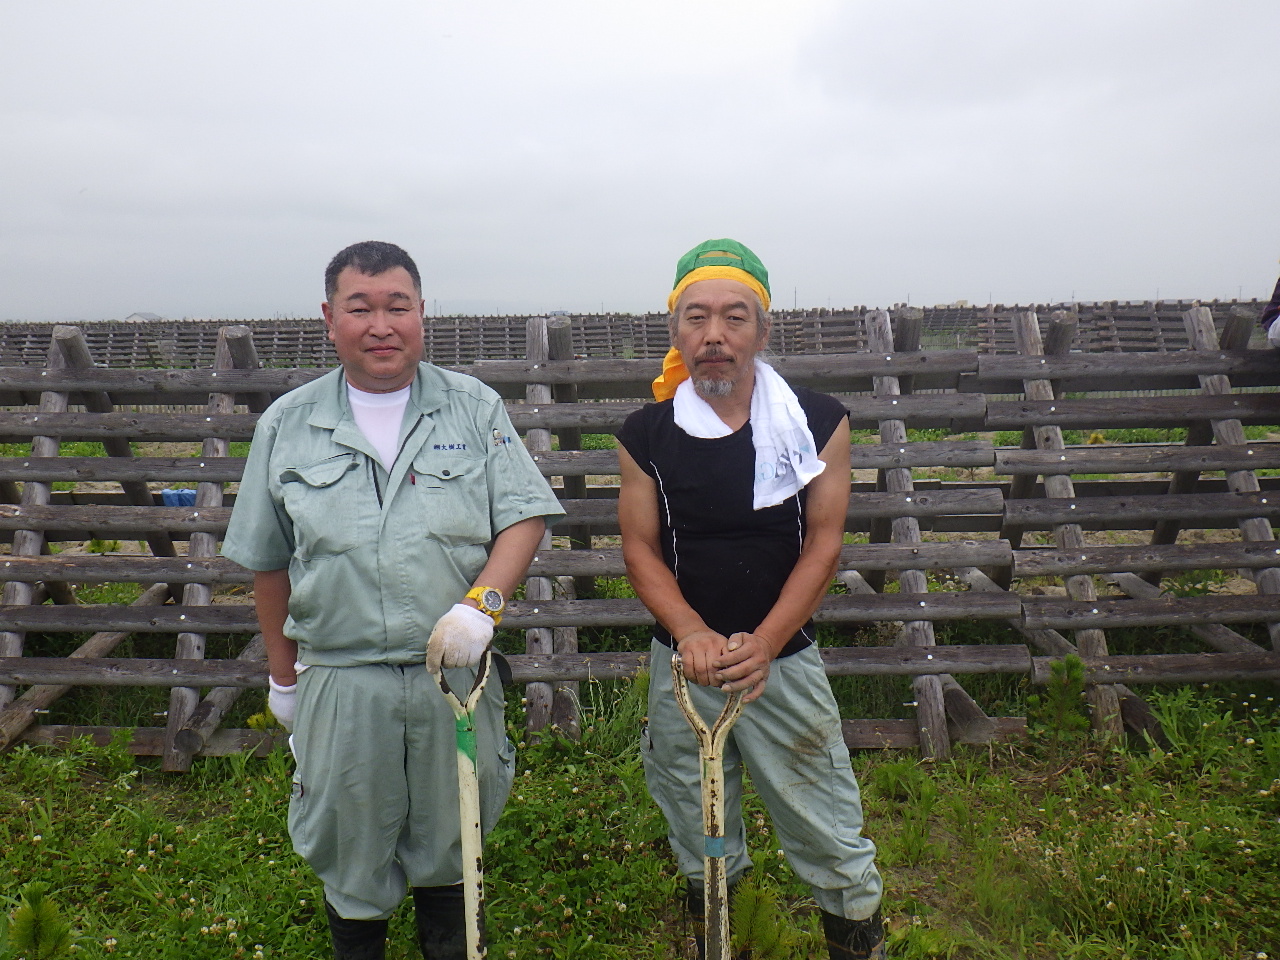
pixel 713 389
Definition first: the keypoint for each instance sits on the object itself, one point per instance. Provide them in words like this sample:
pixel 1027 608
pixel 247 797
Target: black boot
pixel 442 922
pixel 854 939
pixel 356 939
pixel 697 907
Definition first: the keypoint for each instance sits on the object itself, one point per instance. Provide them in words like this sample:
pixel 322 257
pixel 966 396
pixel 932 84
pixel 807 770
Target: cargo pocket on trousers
pixel 298 817
pixel 846 804
pixel 493 800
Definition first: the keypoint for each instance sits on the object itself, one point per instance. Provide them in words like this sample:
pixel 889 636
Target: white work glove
pixel 283 702
pixel 459 639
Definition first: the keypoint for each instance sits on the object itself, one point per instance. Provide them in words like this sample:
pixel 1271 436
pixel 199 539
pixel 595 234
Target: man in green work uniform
pixel 387 509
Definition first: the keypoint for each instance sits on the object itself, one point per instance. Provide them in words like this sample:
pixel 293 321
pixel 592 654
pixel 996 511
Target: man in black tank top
pixel 735 488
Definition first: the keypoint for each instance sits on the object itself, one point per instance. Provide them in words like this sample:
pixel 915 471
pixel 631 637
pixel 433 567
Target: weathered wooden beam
pixel 1084 510
pixel 552 463
pixel 521 614
pixel 128 568
pixel 553 668
pixel 1104 413
pixel 1137 458
pixel 1042 562
pixel 957 411
pixel 1163 611
pixel 1171 668
pixel 161 383
pixel 525 668
pixel 903 734
pixel 1102 371
pixel 149 741
pixel 114 521
pixel 923 453
pixel 123 469
pixel 123 568
pixel 941 365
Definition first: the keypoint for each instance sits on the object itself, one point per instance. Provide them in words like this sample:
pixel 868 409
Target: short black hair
pixel 370 257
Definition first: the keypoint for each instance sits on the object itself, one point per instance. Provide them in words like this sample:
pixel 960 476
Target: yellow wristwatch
pixel 489 600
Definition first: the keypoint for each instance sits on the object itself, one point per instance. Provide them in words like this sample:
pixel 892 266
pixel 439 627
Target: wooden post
pixel 99 401
pixel 538 640
pixel 1061 335
pixel 183 700
pixel 564 706
pixel 931 717
pixel 1200 330
pixel 201 723
pixel 1103 699
pixel 30 543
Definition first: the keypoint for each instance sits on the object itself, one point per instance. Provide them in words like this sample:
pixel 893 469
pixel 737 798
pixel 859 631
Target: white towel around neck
pixel 786 459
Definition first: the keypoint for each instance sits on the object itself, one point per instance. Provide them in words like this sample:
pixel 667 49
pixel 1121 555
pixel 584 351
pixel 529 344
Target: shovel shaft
pixel 469 806
pixel 711 742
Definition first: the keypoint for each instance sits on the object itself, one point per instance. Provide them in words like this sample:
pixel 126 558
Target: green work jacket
pixel 376 557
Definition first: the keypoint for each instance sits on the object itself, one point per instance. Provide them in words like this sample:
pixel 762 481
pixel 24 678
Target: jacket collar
pixel 426 395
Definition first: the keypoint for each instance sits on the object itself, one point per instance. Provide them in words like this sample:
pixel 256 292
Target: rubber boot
pixel 697 907
pixel 854 939
pixel 442 922
pixel 356 939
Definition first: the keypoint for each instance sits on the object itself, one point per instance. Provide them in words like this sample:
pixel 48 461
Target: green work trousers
pixel 790 739
pixel 375 792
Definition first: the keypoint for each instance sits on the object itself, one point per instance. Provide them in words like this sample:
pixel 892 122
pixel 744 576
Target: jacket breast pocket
pixel 453 494
pixel 322 498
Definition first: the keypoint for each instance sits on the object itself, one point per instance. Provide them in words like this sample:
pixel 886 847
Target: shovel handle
pixel 469 805
pixel 710 739
pixel 711 753
pixel 463 708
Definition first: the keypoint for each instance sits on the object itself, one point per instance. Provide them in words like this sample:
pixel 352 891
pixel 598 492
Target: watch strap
pixel 478 595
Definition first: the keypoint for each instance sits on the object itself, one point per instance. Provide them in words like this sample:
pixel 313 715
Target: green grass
pixel 998 853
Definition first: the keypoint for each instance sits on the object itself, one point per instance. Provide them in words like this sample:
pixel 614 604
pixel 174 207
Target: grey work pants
pixel 790 739
pixel 375 792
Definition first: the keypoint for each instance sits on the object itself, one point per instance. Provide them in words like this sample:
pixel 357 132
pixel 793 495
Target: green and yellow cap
pixel 722 259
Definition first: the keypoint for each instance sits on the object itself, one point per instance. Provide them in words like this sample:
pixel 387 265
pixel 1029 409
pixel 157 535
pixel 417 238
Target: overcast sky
pixel 205 159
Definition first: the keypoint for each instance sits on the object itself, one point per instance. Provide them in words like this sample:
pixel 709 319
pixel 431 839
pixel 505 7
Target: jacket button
pixel 444 472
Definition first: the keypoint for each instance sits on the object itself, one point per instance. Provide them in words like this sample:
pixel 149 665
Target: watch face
pixel 492 599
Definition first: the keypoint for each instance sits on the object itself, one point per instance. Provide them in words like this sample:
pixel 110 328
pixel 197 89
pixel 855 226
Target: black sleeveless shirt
pixel 729 560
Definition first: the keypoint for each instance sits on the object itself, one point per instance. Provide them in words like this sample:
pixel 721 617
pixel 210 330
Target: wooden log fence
pixel 956 526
